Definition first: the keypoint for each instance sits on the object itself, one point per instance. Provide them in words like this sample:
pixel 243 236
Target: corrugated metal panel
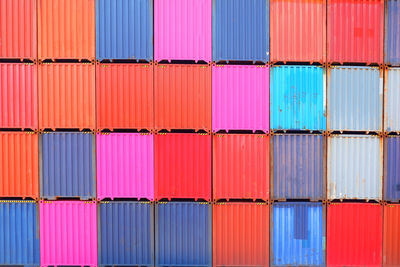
pixel 354 234
pixel 298 30
pixel 240 30
pixel 67 165
pixel 182 30
pixel 355 31
pixel 67 95
pixel 18 29
pixel 240 166
pixel 182 97
pixel 391 236
pixel 19 96
pixel 298 234
pixel 124 94
pixel 392 31
pixel 66 29
pixel 183 166
pixel 299 167
pixel 183 234
pixel 124 29
pixel 240 97
pixel 126 234
pixel 354 167
pixel 125 165
pixel 355 98
pixel 298 98
pixel 391 168
pixel 19 165
pixel 68 233
pixel 240 234
pixel 392 100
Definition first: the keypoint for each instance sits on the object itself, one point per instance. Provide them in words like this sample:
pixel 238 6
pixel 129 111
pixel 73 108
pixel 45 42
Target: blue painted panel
pixel 392 30
pixel 392 168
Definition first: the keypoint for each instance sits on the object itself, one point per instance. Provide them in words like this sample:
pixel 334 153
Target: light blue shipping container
pixel 392 31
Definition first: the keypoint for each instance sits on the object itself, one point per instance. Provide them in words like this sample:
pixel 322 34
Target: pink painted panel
pixel 240 97
pixel 125 166
pixel 182 30
pixel 68 233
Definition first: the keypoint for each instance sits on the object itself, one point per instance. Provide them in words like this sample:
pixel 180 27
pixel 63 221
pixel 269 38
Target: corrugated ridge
pixel 392 98
pixel 391 236
pixel 392 30
pixel 392 168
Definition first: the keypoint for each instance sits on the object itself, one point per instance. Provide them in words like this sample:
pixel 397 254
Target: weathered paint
pixel 392 32
pixel 391 235
pixel 392 100
pixel 391 178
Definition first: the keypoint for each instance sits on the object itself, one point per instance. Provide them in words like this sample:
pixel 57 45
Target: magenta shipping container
pixel 68 233
pixel 125 166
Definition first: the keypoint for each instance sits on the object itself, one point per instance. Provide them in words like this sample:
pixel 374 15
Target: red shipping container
pixel 391 235
pixel 183 166
pixel 354 234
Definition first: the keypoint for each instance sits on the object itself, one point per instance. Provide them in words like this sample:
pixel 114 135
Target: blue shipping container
pixel 392 31
pixel 240 30
pixel 298 234
pixel 183 234
pixel 391 169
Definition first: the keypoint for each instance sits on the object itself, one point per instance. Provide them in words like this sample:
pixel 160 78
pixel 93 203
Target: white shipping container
pixel 392 100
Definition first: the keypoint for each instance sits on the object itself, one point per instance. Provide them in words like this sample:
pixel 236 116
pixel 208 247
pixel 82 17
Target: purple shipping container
pixel 391 168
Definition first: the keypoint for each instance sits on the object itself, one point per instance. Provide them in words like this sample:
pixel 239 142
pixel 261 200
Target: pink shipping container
pixel 68 233
pixel 240 98
pixel 125 166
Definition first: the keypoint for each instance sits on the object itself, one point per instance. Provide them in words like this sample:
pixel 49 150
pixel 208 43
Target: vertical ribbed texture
pixel 125 165
pixel 392 169
pixel 298 98
pixel 67 165
pixel 355 167
pixel 124 29
pixel 392 99
pixel 182 97
pixel 126 233
pixel 391 236
pixel 240 234
pixel 68 233
pixel 392 30
pixel 183 234
pixel 355 98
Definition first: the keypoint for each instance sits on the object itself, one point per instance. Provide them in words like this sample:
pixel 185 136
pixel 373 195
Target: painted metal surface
pixel 67 165
pixel 392 32
pixel 124 96
pixel 355 31
pixel 182 166
pixel 66 29
pixel 355 98
pixel 240 166
pixel 182 30
pixel 355 167
pixel 125 165
pixel 183 234
pixel 19 95
pixel 391 235
pixel 68 233
pixel 240 234
pixel 240 97
pixel 392 100
pixel 298 31
pixel 298 234
pixel 354 234
pixel 124 29
pixel 391 170
pixel 182 97
pixel 240 30
pixel 299 167
pixel 126 233
pixel 298 98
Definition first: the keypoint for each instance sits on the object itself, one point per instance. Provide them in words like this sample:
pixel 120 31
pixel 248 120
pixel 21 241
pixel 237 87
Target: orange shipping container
pixel 391 235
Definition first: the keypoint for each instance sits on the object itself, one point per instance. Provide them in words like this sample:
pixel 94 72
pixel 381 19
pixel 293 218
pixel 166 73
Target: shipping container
pixel 298 31
pixel 125 165
pixel 182 97
pixel 391 170
pixel 67 165
pixel 183 166
pixel 182 30
pixel 183 234
pixel 126 234
pixel 355 31
pixel 240 166
pixel 299 162
pixel 240 234
pixel 124 29
pixel 354 234
pixel 355 167
pixel 298 234
pixel 298 98
pixel 355 99
pixel 67 96
pixel 68 233
pixel 240 30
pixel 66 29
pixel 392 32
pixel 124 94
pixel 391 235
pixel 392 100
pixel 240 97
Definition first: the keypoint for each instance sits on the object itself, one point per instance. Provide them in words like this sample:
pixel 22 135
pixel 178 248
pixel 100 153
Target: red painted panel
pixel 391 235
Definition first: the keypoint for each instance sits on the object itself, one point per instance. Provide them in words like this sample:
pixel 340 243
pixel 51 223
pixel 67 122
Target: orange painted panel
pixel 391 235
